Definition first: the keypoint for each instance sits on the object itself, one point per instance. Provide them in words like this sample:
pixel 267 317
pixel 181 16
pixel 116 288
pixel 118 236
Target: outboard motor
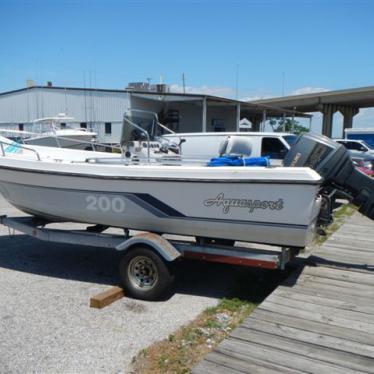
pixel 331 160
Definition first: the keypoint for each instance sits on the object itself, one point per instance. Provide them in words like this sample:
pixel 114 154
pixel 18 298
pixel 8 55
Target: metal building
pixel 101 110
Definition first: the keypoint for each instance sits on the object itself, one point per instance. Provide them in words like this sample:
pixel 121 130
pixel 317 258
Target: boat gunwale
pixel 166 179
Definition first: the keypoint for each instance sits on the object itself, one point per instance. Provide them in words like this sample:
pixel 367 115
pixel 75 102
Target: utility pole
pixel 237 81
pixel 149 83
pixel 184 83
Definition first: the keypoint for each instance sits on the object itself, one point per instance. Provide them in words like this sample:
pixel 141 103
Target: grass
pixel 188 345
pixel 182 350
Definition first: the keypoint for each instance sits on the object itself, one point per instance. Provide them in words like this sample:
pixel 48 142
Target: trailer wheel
pixel 144 274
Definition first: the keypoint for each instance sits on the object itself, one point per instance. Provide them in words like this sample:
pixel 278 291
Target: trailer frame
pixel 168 250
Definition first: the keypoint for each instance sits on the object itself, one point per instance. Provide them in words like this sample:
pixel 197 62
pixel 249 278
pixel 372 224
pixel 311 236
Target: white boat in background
pixel 18 150
pixel 56 132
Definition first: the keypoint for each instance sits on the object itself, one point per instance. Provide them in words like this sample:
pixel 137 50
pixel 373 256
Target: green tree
pixel 287 125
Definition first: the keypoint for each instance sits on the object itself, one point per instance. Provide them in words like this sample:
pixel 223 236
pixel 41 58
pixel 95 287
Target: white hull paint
pixel 273 206
pixel 64 141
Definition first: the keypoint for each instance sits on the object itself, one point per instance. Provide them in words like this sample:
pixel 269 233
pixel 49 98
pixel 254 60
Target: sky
pixel 244 49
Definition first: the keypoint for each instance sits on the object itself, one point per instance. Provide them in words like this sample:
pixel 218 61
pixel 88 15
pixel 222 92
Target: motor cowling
pixel 332 161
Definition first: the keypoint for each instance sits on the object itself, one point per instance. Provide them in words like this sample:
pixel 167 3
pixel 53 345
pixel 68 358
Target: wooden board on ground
pixel 106 298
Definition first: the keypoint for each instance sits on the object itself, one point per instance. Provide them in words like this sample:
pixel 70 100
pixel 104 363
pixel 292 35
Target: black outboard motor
pixel 332 161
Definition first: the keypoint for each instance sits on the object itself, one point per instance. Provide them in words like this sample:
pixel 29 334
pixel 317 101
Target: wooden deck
pixel 321 320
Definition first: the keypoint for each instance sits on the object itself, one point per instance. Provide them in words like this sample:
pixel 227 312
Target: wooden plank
pixel 348 249
pixel 319 317
pixel 344 245
pixel 310 337
pixel 106 298
pixel 341 254
pixel 314 284
pixel 345 275
pixel 367 236
pixel 320 287
pixel 354 225
pixel 314 326
pixel 208 367
pixel 347 256
pixel 326 310
pixel 332 299
pixel 334 263
pixel 367 289
pixel 350 241
pixel 330 292
pixel 352 255
pixel 331 259
pixel 248 365
pixel 332 356
pixel 363 227
pixel 361 239
pixel 243 349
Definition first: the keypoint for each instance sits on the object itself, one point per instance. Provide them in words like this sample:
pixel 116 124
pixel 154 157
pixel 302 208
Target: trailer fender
pixel 162 246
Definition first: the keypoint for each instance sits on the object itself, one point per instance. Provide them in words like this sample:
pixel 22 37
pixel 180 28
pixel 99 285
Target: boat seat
pixel 236 146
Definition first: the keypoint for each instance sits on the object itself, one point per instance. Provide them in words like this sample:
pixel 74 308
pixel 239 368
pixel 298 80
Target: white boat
pixel 219 206
pixel 273 206
pixel 18 150
pixel 276 206
pixel 56 132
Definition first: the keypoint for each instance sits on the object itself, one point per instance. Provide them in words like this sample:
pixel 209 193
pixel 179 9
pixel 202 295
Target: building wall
pixel 98 107
pixel 92 107
pixel 84 106
pixel 18 107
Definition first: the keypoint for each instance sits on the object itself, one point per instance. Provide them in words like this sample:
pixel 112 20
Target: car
pixel 364 163
pixel 206 145
pixel 356 146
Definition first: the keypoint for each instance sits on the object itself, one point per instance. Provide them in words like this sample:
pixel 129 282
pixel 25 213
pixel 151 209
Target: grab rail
pixel 18 146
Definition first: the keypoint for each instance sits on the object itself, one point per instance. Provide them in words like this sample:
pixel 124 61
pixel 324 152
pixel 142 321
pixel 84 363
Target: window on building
pixel 20 126
pixel 108 128
pixel 83 125
pixel 273 148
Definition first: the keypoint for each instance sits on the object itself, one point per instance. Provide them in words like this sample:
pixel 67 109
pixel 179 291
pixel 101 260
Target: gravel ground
pixel 46 325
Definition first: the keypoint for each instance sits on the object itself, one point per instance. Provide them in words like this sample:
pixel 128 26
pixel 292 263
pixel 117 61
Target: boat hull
pixel 263 212
pixel 70 141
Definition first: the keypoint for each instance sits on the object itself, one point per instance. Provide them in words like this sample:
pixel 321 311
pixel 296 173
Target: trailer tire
pixel 144 274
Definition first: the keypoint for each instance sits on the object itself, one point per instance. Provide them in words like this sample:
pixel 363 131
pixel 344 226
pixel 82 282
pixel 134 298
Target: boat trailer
pixel 147 255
